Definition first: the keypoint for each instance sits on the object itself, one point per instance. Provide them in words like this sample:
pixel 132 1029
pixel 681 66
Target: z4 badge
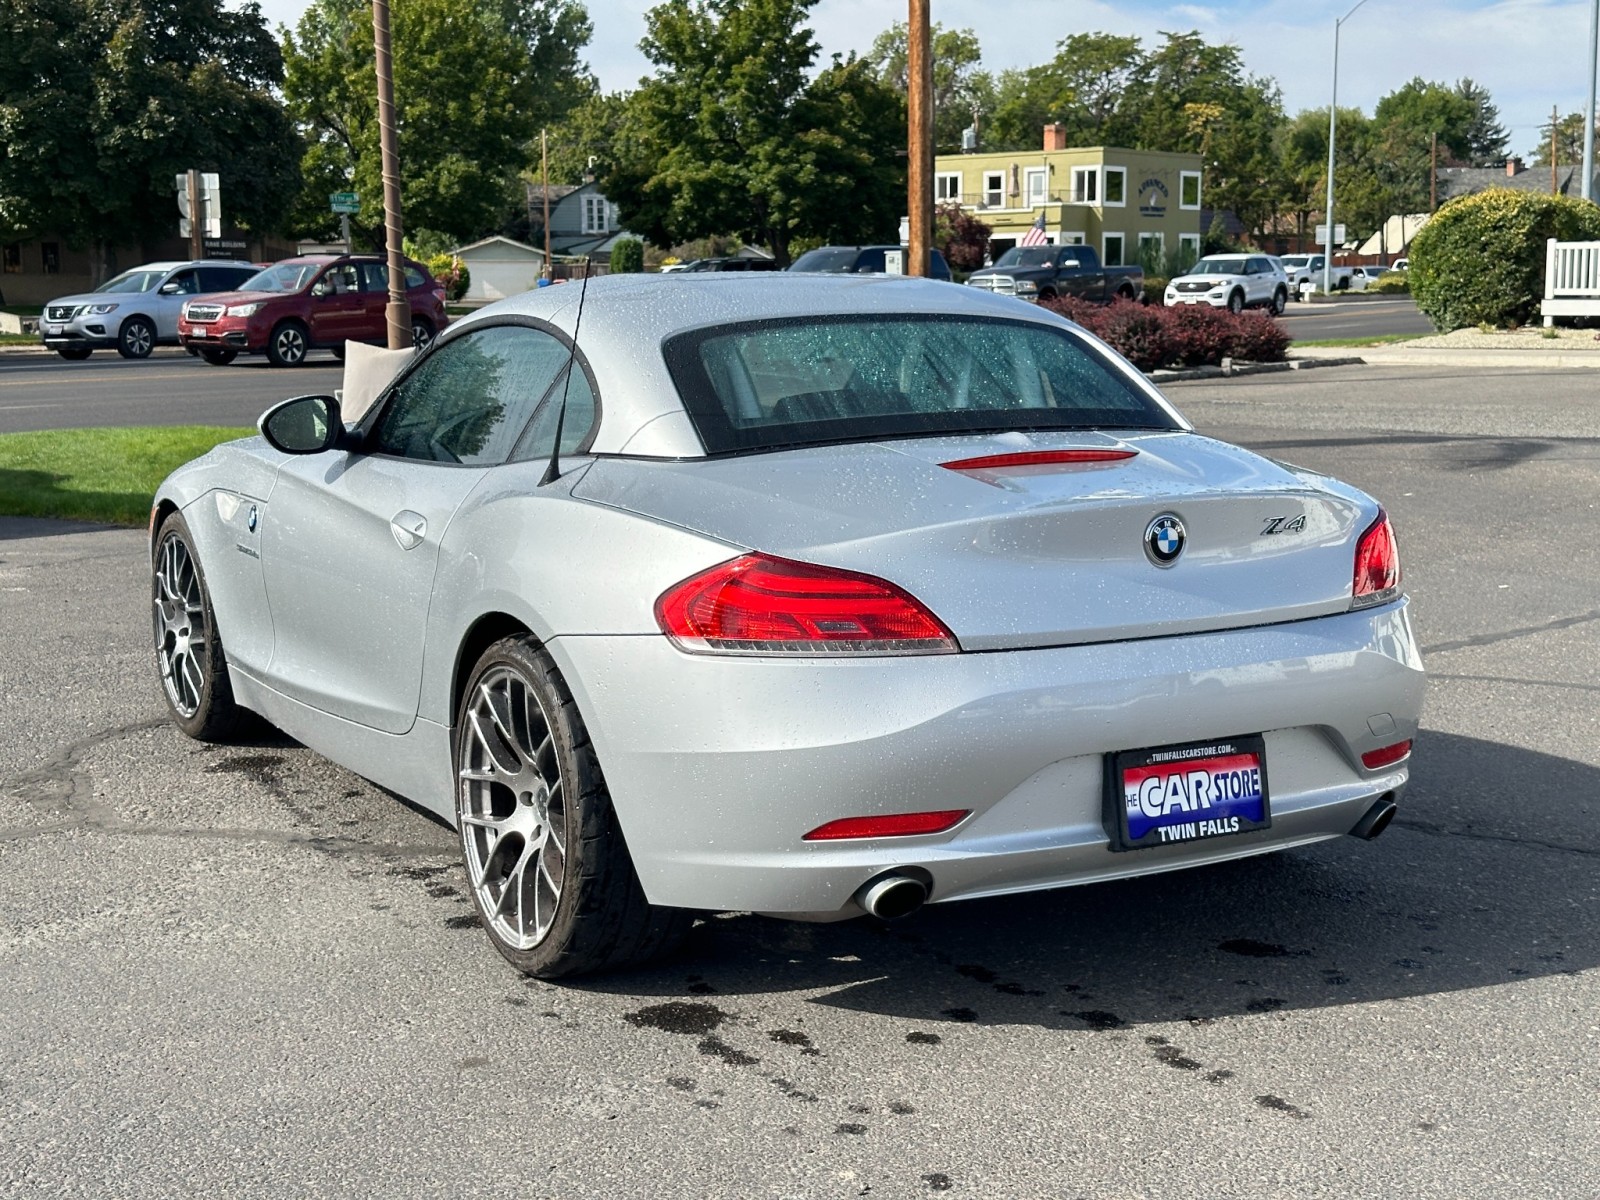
pixel 1284 525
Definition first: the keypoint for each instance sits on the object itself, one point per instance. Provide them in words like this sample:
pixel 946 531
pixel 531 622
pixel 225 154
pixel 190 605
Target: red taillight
pixel 1377 579
pixel 1372 760
pixel 895 825
pixel 757 604
pixel 1037 458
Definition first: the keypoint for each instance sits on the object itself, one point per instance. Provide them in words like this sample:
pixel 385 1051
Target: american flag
pixel 1035 235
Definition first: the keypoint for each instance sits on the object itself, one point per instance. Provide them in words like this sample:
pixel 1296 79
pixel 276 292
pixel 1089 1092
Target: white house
pixel 500 267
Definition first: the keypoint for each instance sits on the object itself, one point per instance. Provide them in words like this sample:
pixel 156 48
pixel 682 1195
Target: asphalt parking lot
pixel 244 971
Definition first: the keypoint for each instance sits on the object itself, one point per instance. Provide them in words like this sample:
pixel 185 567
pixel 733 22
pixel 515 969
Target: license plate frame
pixel 1236 804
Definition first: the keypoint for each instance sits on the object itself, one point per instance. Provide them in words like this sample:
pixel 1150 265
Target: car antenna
pixel 553 471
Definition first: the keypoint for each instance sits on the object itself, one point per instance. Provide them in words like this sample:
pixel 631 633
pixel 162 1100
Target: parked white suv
pixel 136 311
pixel 1232 281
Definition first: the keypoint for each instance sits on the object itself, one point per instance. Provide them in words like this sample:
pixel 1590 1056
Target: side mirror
pixel 304 425
pixel 170 289
pixel 322 287
pixel 1069 264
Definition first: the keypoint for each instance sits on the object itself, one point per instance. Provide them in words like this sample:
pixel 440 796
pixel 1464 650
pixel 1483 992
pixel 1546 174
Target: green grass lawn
pixel 1386 339
pixel 96 474
pixel 19 339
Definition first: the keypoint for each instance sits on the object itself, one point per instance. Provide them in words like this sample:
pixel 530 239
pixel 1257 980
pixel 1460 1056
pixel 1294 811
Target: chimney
pixel 1513 167
pixel 1055 137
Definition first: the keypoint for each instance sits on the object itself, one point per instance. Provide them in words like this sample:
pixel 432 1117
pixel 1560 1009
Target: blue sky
pixel 1529 53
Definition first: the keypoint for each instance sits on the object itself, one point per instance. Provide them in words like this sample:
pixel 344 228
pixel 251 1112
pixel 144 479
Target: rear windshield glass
pixel 806 381
pixel 283 277
pixel 827 258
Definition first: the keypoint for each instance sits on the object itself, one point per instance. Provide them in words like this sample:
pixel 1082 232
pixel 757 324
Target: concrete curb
pixel 1229 369
pixel 1456 356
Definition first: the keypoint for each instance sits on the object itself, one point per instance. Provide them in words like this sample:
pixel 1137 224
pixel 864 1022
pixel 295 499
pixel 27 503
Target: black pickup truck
pixel 1043 272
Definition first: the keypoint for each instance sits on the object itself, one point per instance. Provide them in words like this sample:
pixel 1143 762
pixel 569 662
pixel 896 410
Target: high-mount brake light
pixel 1377 577
pixel 894 825
pixel 1386 756
pixel 758 604
pixel 1024 459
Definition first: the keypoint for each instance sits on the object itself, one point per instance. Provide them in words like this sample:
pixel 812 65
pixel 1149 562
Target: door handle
pixel 408 528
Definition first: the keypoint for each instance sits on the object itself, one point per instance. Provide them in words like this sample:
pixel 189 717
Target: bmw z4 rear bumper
pixel 719 766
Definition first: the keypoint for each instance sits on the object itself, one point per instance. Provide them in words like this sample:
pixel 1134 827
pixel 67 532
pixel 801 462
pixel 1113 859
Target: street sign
pixel 1322 235
pixel 344 202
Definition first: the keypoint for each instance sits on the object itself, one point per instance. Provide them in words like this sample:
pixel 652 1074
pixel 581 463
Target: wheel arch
pixel 159 512
pixel 480 635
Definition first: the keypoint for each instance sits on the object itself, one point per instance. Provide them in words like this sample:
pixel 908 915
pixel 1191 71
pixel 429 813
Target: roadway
pixel 1355 318
pixel 239 970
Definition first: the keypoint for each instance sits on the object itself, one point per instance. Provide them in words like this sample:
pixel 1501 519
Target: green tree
pixel 474 80
pixel 1485 139
pixel 103 102
pixel 1085 87
pixel 588 132
pixel 957 82
pixel 1569 141
pixel 730 134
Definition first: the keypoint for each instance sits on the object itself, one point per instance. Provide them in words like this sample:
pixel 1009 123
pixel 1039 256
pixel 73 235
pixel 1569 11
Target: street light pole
pixel 1588 113
pixel 1333 128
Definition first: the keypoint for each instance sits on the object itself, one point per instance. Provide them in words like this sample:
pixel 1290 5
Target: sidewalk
pixel 1527 348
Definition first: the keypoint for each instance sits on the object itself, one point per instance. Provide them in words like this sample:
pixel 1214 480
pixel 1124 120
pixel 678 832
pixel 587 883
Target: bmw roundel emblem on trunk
pixel 1164 539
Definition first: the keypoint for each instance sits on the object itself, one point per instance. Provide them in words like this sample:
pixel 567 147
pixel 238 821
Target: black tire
pixel 1125 293
pixel 288 345
pixel 1047 293
pixel 1236 302
pixel 421 333
pixel 190 661
pixel 598 918
pixel 136 338
pixel 218 356
pixel 74 353
pixel 1280 301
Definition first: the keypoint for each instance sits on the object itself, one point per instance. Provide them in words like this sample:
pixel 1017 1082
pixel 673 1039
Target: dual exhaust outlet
pixel 896 894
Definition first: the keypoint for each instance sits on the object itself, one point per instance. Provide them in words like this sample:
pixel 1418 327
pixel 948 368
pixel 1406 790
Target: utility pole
pixel 1589 113
pixel 197 220
pixel 1555 145
pixel 398 310
pixel 544 181
pixel 919 138
pixel 1433 173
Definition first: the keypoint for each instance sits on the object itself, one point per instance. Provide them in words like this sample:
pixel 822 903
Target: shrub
pixel 1155 287
pixel 1481 259
pixel 1393 282
pixel 1151 337
pixel 627 256
pixel 451 272
pixel 963 238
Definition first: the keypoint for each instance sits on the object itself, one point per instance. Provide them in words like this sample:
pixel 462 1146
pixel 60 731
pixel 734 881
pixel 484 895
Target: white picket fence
pixel 1571 280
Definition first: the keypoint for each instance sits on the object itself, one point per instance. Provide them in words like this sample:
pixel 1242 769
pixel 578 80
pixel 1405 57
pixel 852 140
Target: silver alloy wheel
pixel 137 339
pixel 421 335
pixel 180 627
pixel 512 808
pixel 291 344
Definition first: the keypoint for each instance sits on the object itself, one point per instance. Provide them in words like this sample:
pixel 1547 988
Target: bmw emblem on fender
pixel 1164 540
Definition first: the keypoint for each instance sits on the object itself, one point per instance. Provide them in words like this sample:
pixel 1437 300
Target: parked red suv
pixel 302 303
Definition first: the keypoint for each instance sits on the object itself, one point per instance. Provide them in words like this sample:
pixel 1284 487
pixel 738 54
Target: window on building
pixel 1112 252
pixel 1035 187
pixel 1188 249
pixel 1116 187
pixel 1188 189
pixel 50 257
pixel 1086 185
pixel 947 187
pixel 1072 239
pixel 1152 252
pixel 994 188
pixel 13 258
pixel 599 215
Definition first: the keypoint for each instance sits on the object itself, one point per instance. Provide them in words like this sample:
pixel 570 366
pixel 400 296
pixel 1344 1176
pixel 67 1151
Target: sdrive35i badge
pixel 1164 540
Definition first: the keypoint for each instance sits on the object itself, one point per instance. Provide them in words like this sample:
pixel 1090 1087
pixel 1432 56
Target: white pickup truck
pixel 1302 267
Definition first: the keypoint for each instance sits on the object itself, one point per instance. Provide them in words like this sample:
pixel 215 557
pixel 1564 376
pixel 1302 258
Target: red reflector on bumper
pixel 1037 458
pixel 895 825
pixel 1387 756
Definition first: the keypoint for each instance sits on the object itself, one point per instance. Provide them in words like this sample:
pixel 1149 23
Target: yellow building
pixel 1113 199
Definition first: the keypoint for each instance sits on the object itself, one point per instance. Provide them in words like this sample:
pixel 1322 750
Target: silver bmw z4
pixel 802 595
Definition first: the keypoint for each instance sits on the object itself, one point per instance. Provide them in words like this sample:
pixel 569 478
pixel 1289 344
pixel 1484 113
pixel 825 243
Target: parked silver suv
pixel 136 311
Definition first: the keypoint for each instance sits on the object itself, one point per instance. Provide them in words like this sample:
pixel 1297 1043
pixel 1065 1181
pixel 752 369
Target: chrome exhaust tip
pixel 1377 818
pixel 892 896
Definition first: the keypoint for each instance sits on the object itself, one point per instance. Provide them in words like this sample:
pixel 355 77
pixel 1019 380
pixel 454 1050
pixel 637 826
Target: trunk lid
pixel 1043 556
